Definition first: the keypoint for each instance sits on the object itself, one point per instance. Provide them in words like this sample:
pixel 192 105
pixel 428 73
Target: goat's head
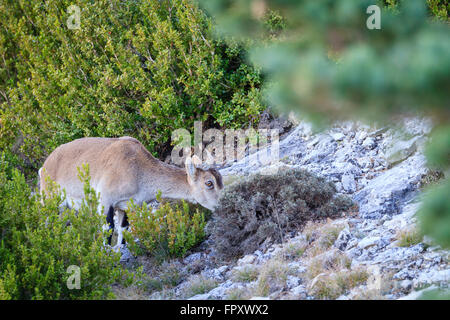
pixel 205 182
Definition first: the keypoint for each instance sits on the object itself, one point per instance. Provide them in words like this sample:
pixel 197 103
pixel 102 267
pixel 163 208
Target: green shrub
pixel 264 207
pixel 274 23
pixel 140 68
pixel 436 8
pixel 38 244
pixel 434 214
pixel 439 8
pixel 169 231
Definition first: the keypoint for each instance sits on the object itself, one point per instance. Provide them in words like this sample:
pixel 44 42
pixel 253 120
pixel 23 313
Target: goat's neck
pixel 173 183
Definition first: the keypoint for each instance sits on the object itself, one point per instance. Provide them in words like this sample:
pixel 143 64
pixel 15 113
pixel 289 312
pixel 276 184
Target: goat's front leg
pixel 122 224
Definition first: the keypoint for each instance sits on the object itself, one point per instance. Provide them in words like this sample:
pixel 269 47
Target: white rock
pixel 292 281
pixel 368 242
pixel 406 284
pixel 343 239
pixel 249 258
pixel 348 182
pixel 338 136
pixel 298 290
pixel 369 143
pixel 433 277
pixel 204 296
pixel 360 136
pixel 401 150
pixel 193 258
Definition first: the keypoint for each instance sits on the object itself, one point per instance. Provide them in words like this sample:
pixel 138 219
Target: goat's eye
pixel 209 184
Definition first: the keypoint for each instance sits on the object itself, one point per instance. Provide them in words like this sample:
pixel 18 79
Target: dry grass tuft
pixel 272 277
pixel 330 261
pixel 293 250
pixel 409 237
pixel 332 285
pixel 246 273
pixel 240 293
pixel 198 285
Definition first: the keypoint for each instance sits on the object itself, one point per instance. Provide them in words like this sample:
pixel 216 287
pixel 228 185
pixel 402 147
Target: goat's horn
pixel 209 158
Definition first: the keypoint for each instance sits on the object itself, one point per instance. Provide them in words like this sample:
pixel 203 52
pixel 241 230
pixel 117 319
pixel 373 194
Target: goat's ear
pixel 197 161
pixel 191 170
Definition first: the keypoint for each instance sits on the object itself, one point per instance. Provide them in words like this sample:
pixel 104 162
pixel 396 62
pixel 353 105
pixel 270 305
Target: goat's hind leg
pixel 121 226
pixel 109 213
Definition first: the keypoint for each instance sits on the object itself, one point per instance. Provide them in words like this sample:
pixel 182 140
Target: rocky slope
pixel 376 253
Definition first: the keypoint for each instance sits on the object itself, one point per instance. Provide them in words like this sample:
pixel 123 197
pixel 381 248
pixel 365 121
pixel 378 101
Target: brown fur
pixel 121 168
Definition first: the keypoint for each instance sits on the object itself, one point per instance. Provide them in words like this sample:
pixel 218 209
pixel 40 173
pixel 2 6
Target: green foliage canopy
pixel 139 68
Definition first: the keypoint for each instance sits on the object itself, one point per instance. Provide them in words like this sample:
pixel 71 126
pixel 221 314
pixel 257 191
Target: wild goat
pixel 122 169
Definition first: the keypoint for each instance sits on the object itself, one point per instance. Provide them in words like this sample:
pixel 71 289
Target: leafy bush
pixel 169 231
pixel 139 68
pixel 38 244
pixel 437 8
pixel 264 207
pixel 434 214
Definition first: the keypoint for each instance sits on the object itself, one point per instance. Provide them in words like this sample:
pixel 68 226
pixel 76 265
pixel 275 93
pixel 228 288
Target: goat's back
pixel 114 164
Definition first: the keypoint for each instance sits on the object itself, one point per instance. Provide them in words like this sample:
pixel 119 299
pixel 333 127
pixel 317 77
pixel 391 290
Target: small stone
pixel 368 242
pixel 406 285
pixel 353 252
pixel 204 296
pixel 292 281
pixel 360 136
pixel 126 255
pixel 343 239
pixel 404 274
pixel 192 258
pixel 222 269
pixel 299 291
pixel 259 298
pixel 378 132
pixel 338 136
pixel 248 259
pixel 369 143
